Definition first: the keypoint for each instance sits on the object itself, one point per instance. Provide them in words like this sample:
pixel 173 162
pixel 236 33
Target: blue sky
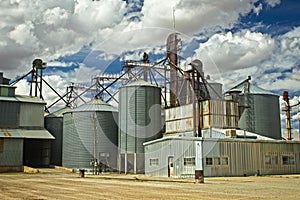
pixel 79 39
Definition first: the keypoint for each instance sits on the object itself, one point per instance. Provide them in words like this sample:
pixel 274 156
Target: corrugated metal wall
pixel 12 152
pixel 261 115
pixel 79 137
pixel 27 118
pixel 219 114
pixel 55 126
pixel 247 158
pixel 224 157
pixel 179 119
pixel 139 118
pixel 9 113
pixel 140 121
pixel 177 150
pixel 74 154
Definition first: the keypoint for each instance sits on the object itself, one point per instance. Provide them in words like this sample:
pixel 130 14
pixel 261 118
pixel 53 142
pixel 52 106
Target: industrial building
pixel 170 120
pixel 181 157
pixel 23 139
pixel 181 124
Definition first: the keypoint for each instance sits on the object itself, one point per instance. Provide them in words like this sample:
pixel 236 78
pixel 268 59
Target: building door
pixel 170 166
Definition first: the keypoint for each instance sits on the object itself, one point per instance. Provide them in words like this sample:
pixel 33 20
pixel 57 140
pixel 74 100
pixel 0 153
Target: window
pixel 268 160
pixel 288 160
pixel 189 161
pixel 224 161
pixel 153 161
pixel 271 159
pixel 274 160
pixel 217 161
pixel 1 145
pixel 209 161
pixel 104 155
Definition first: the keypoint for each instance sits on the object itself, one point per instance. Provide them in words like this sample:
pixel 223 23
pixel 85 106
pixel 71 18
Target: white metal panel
pixel 35 134
pixel 180 112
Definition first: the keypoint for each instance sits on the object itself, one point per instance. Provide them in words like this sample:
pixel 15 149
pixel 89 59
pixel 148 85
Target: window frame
pixel 153 162
pixel 189 161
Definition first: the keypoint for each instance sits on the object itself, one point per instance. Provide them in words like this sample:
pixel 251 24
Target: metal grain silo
pixel 139 122
pixel 90 132
pixel 259 109
pixel 54 124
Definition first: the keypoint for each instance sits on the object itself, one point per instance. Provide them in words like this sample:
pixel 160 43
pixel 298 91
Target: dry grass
pixel 59 184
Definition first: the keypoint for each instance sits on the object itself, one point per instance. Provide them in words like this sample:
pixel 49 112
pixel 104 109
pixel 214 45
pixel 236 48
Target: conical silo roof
pixel 59 113
pixel 140 82
pixel 95 105
pixel 247 87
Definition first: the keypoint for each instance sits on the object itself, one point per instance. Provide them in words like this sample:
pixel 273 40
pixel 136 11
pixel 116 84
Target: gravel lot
pixel 59 184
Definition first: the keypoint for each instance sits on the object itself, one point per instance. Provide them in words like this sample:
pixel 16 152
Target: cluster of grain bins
pixel 97 131
pixel 129 139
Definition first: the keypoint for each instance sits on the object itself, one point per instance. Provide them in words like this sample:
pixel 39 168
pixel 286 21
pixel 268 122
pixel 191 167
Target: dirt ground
pixel 59 184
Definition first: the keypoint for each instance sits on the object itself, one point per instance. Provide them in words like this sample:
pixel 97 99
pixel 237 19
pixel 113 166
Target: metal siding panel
pixel 75 155
pixel 178 149
pixel 55 126
pixel 140 116
pixel 262 116
pixel 31 115
pixel 9 113
pixel 12 154
pixel 219 114
pixel 244 157
pixel 79 135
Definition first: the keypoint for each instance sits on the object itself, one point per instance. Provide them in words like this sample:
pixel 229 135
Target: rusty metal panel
pixel 179 119
pixel 219 107
pixel 179 126
pixel 219 114
pixel 180 112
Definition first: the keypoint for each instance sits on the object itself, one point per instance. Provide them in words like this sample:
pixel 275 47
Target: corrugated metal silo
pixel 139 122
pixel 54 124
pixel 259 110
pixel 90 131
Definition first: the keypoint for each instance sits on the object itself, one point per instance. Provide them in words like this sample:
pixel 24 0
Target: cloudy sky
pixel 82 38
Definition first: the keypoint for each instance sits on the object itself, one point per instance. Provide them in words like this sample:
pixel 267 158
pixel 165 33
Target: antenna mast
pixel 174 18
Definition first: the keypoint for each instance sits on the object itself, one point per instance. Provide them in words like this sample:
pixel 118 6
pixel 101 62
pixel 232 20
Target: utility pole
pixel 95 142
pixel 287 109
